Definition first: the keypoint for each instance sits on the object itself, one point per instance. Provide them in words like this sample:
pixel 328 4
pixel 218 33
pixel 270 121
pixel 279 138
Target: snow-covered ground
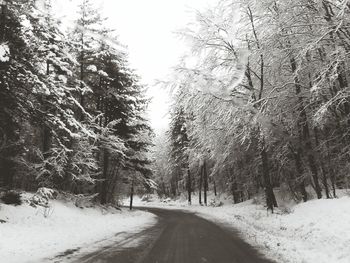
pixel 315 231
pixel 38 234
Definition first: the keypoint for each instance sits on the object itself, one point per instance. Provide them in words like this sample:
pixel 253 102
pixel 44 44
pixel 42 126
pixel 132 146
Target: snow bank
pixel 315 231
pixel 35 234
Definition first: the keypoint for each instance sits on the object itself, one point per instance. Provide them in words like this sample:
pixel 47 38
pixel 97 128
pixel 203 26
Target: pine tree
pixel 85 37
pixel 179 145
pixel 122 103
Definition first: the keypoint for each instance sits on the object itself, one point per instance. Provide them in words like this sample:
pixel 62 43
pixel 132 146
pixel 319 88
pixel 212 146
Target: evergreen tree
pixel 179 154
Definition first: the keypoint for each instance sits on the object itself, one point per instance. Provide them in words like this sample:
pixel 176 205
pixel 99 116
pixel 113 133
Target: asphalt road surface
pixel 179 237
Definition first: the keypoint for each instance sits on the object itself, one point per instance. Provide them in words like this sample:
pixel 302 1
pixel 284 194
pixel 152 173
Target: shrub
pixel 38 200
pixel 42 197
pixel 47 193
pixel 146 198
pixel 82 201
pixel 285 210
pixel 12 198
pixel 215 203
pixel 256 201
pixel 167 200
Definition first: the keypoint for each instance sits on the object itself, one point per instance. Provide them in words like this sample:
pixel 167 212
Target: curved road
pixel 180 237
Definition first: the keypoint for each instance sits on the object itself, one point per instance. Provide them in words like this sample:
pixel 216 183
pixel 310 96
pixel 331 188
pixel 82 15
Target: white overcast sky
pixel 147 27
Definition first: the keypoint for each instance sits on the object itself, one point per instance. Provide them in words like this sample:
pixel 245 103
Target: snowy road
pixel 179 237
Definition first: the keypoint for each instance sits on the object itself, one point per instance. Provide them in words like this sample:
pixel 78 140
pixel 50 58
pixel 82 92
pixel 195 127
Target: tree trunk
pixel 234 192
pixel 7 171
pixel 46 130
pixel 325 181
pixel 333 179
pixel 104 186
pixel 113 177
pixel 214 185
pixel 323 169
pixel 173 188
pixel 200 186
pixel 189 186
pixel 205 178
pixel 131 194
pixel 303 123
pixel 82 97
pixel 298 167
pixel 270 196
pixel 314 173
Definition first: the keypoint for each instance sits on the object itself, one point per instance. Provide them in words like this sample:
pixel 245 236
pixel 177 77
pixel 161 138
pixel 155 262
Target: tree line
pixel 72 111
pixel 261 102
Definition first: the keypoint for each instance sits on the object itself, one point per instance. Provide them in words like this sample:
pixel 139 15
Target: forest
pixel 72 111
pixel 260 103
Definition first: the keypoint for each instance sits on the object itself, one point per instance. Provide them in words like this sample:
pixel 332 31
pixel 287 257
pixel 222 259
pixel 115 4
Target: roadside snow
pixel 315 231
pixel 29 236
